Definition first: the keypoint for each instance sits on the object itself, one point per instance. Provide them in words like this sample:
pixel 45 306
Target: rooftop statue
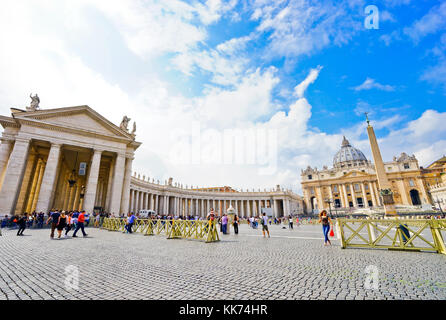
pixel 35 100
pixel 125 123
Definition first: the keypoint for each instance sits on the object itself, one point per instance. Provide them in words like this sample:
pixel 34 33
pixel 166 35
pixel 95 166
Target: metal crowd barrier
pixel 393 234
pixel 172 229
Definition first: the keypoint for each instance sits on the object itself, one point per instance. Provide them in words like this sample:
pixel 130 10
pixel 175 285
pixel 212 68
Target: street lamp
pixel 439 202
pixel 329 201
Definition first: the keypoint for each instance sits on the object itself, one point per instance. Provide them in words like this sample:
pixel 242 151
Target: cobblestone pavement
pixel 292 264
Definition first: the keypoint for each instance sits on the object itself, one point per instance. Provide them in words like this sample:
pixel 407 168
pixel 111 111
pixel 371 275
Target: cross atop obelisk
pixel 385 188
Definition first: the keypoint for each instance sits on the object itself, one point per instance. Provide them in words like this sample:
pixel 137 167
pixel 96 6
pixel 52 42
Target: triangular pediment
pixel 81 118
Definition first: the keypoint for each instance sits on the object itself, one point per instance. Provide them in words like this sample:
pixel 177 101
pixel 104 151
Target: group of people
pixel 57 220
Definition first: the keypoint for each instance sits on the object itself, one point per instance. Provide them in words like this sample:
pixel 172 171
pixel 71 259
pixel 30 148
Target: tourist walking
pixel 80 224
pixel 69 224
pixel 290 222
pixel 21 222
pixel 130 221
pixel 235 224
pixel 54 217
pixel 224 224
pixel 40 218
pixel 326 222
pixel 61 224
pixel 264 222
pixel 96 221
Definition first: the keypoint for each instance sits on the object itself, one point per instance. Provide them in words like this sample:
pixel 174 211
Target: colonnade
pixel 200 204
pixel 347 193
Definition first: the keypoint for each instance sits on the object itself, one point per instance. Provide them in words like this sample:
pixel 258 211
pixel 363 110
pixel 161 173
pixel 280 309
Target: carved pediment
pixel 81 118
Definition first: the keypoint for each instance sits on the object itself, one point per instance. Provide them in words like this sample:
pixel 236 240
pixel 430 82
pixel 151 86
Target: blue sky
pixel 302 71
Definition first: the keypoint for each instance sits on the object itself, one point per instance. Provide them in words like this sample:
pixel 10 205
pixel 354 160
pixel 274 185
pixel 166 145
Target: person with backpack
pixel 21 222
pixel 54 217
pixel 290 222
pixel 264 222
pixel 235 224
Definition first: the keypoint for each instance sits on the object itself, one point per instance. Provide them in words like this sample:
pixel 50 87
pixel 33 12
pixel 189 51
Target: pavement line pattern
pixel 290 265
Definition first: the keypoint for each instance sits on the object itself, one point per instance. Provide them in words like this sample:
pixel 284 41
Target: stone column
pixel 109 186
pixel 202 208
pixel 77 198
pixel 32 191
pixel 49 178
pixel 137 201
pixel 372 194
pixel 33 204
pixel 70 197
pixel 156 204
pixel 274 205
pixel 330 192
pixel 166 204
pixel 248 208
pixel 24 192
pixel 92 182
pixel 364 195
pixel 353 193
pixel 132 197
pixel 378 196
pixel 14 175
pixel 403 192
pixel 5 151
pixel 126 185
pixel 118 181
pixel 344 190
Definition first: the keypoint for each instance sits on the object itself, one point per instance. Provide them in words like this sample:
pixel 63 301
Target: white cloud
pixel 298 28
pixel 311 78
pixel 372 84
pixel 430 23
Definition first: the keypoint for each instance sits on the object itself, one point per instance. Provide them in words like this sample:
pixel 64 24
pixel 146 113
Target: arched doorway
pixel 312 201
pixel 415 196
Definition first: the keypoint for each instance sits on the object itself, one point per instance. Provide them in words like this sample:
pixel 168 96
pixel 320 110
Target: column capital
pixel 56 145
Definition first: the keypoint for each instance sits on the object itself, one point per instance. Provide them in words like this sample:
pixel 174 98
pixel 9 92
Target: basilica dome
pixel 348 156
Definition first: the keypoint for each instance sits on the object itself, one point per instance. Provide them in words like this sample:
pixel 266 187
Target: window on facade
pixel 335 188
pixel 389 168
pixel 366 187
pixel 411 183
pixel 310 177
pixel 406 166
pixel 357 187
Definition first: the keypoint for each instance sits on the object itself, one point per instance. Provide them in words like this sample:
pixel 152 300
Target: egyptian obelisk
pixel 385 188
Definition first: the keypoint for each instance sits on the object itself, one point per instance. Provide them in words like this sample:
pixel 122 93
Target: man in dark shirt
pixel 40 218
pixel 54 217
